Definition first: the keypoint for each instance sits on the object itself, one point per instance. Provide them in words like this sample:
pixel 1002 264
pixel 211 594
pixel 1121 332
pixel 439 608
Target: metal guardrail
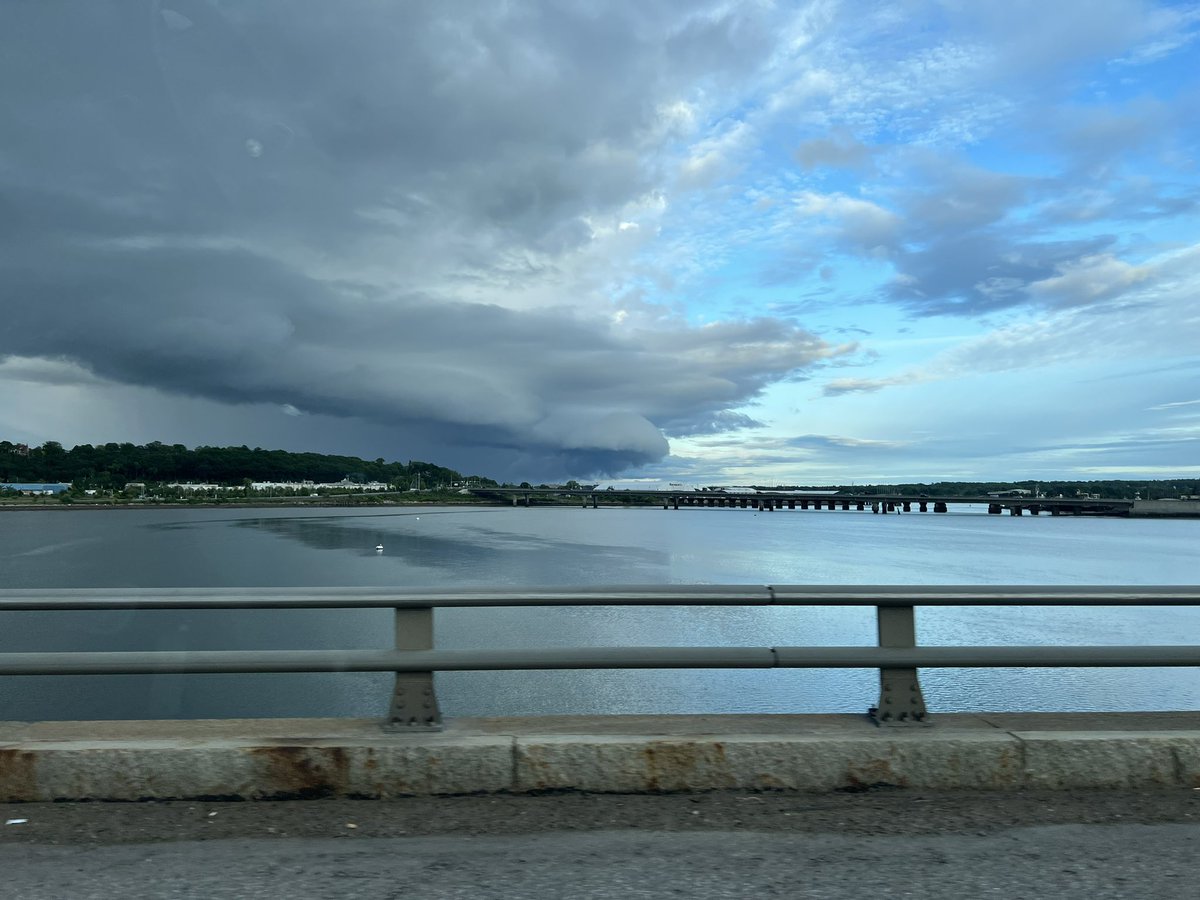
pixel 414 702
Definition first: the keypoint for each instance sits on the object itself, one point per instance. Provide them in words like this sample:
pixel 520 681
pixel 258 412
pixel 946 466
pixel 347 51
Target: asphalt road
pixel 893 844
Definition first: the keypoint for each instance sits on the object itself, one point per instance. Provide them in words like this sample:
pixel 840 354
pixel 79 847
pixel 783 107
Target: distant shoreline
pixel 79 507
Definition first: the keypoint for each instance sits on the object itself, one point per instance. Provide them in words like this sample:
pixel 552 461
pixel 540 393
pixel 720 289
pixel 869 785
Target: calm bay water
pixel 476 546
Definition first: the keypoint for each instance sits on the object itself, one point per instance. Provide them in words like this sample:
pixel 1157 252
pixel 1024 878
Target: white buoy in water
pixel 379 548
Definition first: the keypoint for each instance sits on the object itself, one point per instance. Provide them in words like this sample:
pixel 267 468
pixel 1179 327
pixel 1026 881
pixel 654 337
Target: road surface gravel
pixel 896 843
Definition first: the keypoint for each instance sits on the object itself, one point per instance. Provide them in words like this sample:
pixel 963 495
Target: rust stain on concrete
pixel 18 775
pixel 875 773
pixel 671 766
pixel 302 772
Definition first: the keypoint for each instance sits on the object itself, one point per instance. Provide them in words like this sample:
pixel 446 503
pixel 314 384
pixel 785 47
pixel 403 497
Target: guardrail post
pixel 414 705
pixel 900 699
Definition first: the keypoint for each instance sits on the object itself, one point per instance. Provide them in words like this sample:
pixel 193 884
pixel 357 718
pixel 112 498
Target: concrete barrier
pixel 284 758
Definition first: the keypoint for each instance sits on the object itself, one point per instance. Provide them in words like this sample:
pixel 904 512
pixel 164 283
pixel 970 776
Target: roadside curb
pixel 289 758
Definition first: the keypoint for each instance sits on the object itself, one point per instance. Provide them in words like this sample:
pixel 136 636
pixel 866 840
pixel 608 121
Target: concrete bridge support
pixel 923 506
pixel 845 504
pixel 939 507
pixel 994 509
pixel 860 506
pixel 907 506
pixel 1015 510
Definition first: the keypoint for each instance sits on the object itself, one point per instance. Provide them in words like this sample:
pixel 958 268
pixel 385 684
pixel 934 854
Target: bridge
pixel 769 501
pixel 896 742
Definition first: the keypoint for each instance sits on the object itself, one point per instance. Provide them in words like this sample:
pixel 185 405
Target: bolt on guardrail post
pixel 900 699
pixel 414 705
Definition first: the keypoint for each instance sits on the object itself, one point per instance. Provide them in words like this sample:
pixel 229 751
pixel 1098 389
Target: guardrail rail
pixel 414 660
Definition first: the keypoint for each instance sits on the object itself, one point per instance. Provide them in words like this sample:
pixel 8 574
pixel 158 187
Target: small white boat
pixel 379 548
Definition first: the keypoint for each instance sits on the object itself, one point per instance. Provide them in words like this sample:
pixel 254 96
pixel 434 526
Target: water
pixel 475 546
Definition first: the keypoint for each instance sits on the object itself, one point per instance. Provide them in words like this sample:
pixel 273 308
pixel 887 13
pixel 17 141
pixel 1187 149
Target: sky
pixel 735 242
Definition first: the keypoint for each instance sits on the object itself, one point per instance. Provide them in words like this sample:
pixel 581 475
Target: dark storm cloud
pixel 243 329
pixel 721 422
pixel 341 209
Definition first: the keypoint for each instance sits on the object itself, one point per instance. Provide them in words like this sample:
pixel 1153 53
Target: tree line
pixel 112 466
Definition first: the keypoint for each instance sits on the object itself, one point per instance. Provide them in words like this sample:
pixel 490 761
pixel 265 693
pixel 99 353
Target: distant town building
pixel 36 489
pixel 344 485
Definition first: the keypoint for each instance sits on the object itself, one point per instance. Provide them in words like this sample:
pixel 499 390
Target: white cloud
pixel 1088 280
pixel 1109 311
pixel 857 223
pixel 716 158
pixel 840 150
pixel 1175 405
